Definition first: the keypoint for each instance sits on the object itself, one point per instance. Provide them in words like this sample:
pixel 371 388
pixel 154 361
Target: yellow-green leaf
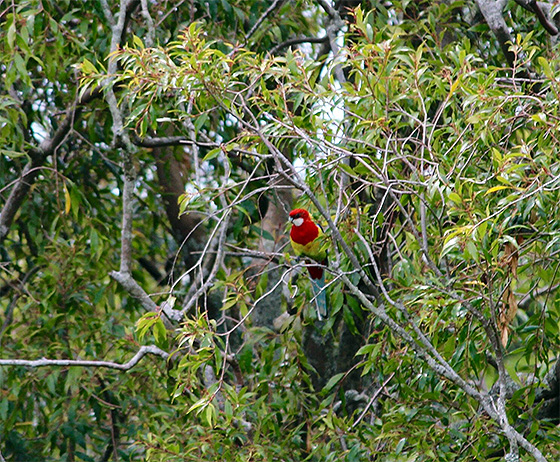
pixel 496 188
pixel 67 201
pixel 455 197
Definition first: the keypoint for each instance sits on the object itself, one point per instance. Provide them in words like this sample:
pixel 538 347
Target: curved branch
pixel 549 27
pixel 43 362
pixel 329 9
pixel 542 11
pixel 134 289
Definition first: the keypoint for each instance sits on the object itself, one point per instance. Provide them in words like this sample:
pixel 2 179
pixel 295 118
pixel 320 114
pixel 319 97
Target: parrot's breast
pixel 304 234
pixel 306 240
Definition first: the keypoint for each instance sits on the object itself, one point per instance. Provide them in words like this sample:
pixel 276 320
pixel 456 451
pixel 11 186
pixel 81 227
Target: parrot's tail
pixel 320 297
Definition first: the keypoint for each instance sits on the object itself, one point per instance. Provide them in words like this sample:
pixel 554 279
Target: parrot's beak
pixel 296 221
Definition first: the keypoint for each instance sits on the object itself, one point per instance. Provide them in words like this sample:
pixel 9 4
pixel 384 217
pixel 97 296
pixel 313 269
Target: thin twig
pixel 526 300
pixel 205 284
pixel 372 400
pixel 266 14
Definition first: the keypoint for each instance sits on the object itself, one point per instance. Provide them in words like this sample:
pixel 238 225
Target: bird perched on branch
pixel 307 240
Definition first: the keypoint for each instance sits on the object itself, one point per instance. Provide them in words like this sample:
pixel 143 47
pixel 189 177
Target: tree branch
pixel 38 157
pixel 151 35
pixel 266 14
pixel 122 140
pixel 219 243
pixel 537 8
pixel 528 298
pixel 297 41
pixel 336 23
pixel 163 141
pixel 492 10
pixel 333 14
pixel 43 362
pixel 372 400
pixel 132 287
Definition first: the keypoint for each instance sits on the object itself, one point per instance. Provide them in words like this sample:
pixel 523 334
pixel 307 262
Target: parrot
pixel 306 239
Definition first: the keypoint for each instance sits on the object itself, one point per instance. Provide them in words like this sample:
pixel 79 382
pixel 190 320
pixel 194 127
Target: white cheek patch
pixel 298 222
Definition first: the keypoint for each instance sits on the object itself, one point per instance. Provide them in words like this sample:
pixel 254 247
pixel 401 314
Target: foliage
pixel 430 160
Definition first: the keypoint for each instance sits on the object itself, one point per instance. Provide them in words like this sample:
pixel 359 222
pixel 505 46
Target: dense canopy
pixel 151 309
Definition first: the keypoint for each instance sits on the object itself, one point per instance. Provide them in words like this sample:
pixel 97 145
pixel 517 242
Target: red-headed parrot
pixel 306 239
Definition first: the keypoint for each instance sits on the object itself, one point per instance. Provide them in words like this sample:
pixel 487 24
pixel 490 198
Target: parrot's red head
pixel 299 216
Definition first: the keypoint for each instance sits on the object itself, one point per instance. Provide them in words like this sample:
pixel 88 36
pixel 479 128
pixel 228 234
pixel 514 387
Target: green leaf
pixel 145 323
pixel 471 250
pixel 94 242
pixel 455 197
pixel 346 168
pixel 210 414
pixel 137 41
pixel 11 35
pixel 72 377
pixel 450 245
pixel 510 368
pixel 348 316
pixel 400 446
pixel 12 154
pixel 543 62
pixel 87 67
pixel 76 200
pixel 333 381
pixel 198 405
pixel 160 334
pixel 336 301
pixel 212 154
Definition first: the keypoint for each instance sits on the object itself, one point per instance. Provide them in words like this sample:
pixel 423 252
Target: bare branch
pixel 143 351
pixel 266 14
pixel 18 195
pixel 208 281
pixel 132 287
pixel 333 14
pixel 164 141
pixel 297 41
pixel 122 140
pixel 151 36
pixel 539 9
pixel 372 400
